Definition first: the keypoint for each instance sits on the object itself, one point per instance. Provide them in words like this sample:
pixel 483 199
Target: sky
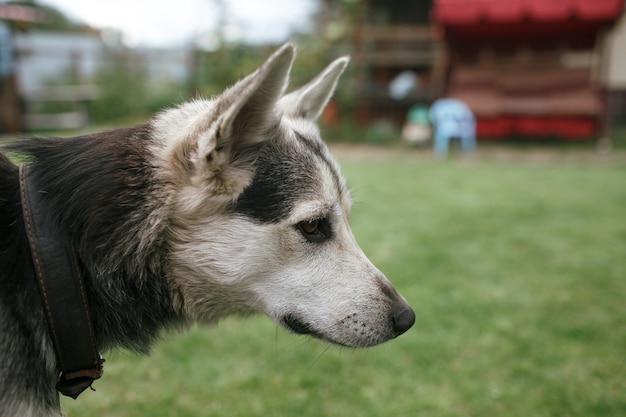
pixel 170 23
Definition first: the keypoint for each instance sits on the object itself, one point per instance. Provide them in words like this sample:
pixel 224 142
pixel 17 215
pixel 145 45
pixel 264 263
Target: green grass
pixel 517 274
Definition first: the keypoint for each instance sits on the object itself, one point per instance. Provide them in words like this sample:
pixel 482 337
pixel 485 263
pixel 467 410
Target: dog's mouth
pixel 297 325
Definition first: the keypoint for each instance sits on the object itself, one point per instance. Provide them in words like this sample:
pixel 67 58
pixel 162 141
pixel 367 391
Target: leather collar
pixel 62 290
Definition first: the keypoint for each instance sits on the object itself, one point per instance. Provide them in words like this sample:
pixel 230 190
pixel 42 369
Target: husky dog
pixel 215 207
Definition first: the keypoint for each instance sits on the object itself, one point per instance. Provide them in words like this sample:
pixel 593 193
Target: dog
pixel 216 207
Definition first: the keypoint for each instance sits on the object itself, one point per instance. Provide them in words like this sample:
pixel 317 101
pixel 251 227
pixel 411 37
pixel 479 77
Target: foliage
pixel 122 81
pixel 516 272
pixel 127 92
pixel 213 71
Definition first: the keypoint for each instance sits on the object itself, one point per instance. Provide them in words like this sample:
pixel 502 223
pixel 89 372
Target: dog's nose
pixel 403 318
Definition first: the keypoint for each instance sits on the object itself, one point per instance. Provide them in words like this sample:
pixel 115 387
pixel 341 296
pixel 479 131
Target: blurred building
pixel 529 67
pixel 397 58
pixel 43 58
pixel 50 68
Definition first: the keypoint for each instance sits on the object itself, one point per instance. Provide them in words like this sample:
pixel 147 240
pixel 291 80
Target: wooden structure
pixel 528 67
pixel 389 39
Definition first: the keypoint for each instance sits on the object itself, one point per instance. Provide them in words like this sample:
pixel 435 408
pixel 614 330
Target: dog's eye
pixel 315 231
pixel 310 227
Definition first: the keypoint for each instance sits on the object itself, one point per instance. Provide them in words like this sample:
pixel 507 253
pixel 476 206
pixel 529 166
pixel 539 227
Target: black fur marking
pixel 317 147
pixel 281 178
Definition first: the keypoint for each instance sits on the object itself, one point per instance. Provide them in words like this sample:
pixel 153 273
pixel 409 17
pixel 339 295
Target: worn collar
pixel 62 290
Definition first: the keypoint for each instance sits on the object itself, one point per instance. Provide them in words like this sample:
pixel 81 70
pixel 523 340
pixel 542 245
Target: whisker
pixel 319 357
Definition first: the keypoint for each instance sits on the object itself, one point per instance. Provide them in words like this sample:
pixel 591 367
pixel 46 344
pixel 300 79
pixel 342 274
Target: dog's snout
pixel 403 318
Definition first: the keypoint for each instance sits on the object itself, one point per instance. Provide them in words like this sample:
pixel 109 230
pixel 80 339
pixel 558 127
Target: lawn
pixel 516 271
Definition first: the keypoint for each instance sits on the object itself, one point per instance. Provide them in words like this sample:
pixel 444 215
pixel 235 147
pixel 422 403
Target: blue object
pixel 451 118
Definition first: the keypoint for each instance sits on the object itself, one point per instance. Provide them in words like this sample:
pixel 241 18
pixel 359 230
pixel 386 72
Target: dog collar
pixel 62 291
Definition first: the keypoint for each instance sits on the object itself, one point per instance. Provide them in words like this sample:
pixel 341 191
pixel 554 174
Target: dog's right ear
pixel 309 101
pixel 243 117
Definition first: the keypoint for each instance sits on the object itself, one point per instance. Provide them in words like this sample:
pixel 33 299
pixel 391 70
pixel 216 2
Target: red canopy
pixel 463 12
pixel 541 23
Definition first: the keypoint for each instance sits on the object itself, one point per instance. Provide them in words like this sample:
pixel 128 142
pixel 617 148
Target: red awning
pixel 469 12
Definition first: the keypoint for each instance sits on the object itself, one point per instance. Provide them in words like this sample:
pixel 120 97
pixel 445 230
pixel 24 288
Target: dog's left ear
pixel 250 105
pixel 308 101
pixel 240 120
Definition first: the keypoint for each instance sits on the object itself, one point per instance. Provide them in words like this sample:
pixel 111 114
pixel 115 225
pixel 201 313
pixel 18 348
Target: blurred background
pixel 514 258
pixel 526 68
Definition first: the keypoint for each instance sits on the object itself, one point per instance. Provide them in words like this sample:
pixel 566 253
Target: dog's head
pixel 258 213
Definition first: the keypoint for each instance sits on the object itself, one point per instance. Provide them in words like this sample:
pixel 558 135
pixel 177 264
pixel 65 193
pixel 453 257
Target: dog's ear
pixel 242 118
pixel 308 101
pixel 248 109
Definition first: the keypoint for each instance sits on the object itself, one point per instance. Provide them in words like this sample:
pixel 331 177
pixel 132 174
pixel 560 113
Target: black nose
pixel 403 319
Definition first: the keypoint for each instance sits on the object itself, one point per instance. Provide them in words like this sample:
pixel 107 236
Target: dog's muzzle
pixel 355 330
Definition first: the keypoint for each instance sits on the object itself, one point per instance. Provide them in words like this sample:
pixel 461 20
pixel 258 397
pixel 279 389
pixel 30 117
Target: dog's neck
pixel 130 301
pixel 95 192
